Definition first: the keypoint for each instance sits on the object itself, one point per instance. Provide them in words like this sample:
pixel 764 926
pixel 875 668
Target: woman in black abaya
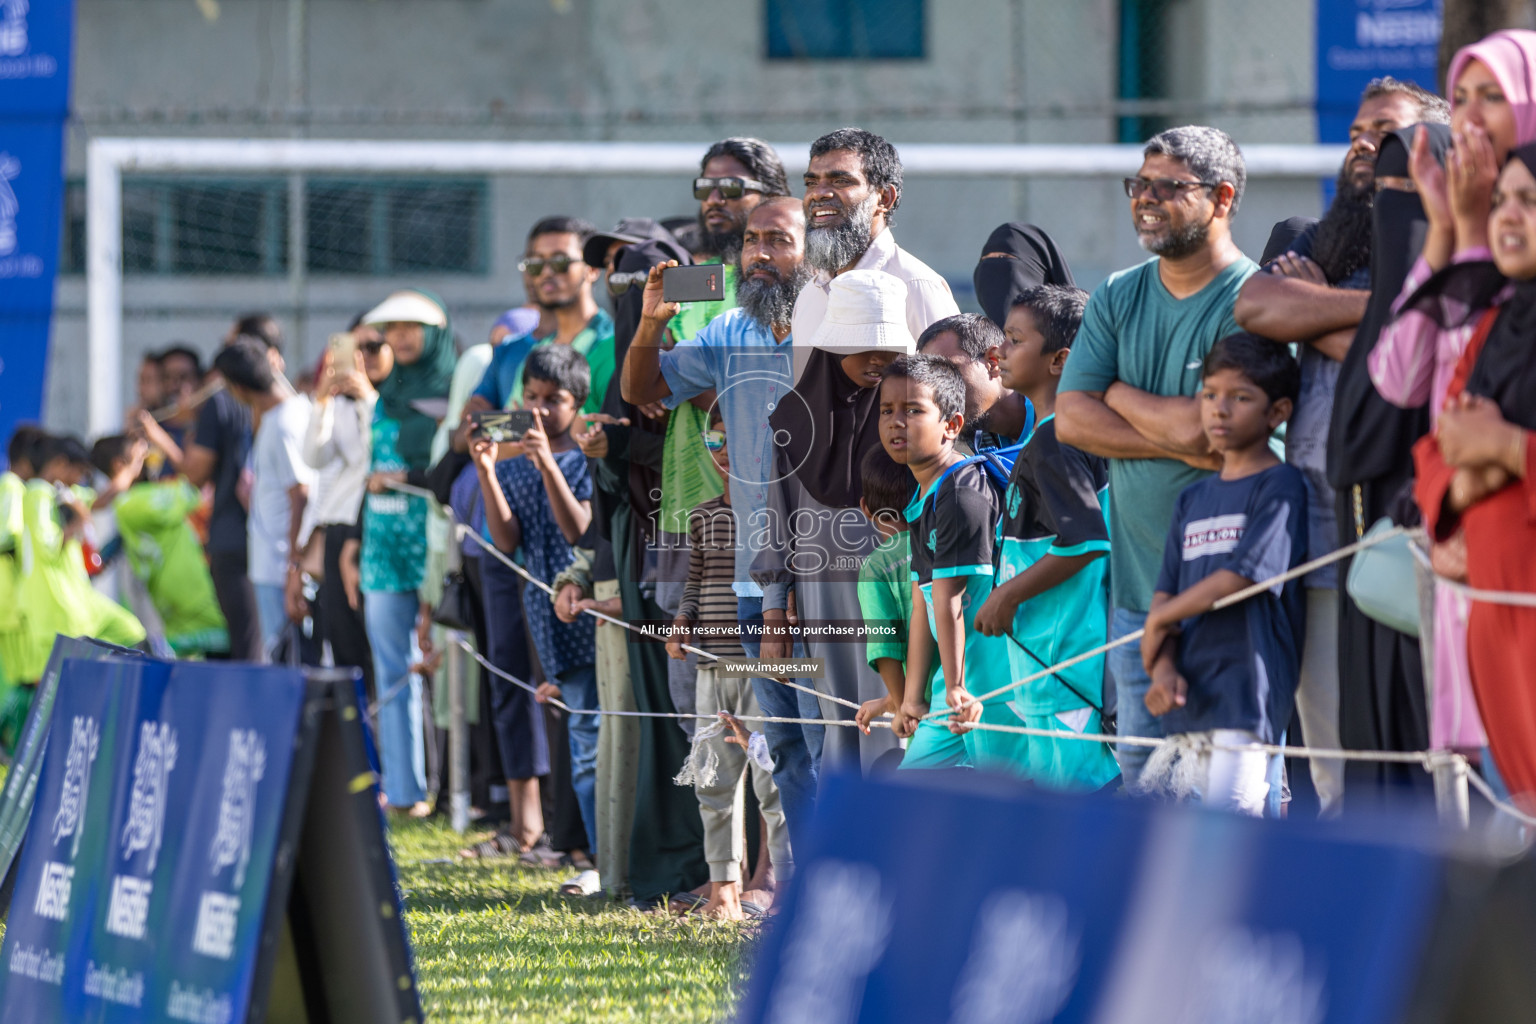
pixel 1382 704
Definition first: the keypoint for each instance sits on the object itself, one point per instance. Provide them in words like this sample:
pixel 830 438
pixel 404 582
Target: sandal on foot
pixel 584 883
pixel 502 844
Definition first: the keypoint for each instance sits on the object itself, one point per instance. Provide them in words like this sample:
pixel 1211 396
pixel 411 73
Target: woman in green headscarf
pixel 394 529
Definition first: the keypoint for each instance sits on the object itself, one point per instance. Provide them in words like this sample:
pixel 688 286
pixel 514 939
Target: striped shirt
pixel 709 599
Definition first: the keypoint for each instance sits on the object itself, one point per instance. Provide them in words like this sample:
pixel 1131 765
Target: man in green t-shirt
pixel 1129 389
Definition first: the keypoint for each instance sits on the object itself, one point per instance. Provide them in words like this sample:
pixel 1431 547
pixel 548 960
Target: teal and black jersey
pixel 953 525
pixel 1056 504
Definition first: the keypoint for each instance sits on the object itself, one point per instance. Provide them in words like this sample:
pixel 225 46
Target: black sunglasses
pixel 621 282
pixel 372 348
pixel 730 188
pixel 534 265
pixel 1162 189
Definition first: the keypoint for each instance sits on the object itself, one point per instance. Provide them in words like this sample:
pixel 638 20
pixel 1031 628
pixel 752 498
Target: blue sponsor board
pixel 35 40
pixel 971 901
pixel 1358 40
pixel 155 879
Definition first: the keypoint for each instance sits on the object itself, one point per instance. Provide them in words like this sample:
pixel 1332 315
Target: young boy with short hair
pixel 953 515
pixel 1051 601
pixel 1229 675
pixel 707 618
pixel 162 548
pixel 885 579
pixel 538 501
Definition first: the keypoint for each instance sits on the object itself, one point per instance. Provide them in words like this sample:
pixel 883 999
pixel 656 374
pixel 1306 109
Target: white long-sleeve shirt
pixel 337 445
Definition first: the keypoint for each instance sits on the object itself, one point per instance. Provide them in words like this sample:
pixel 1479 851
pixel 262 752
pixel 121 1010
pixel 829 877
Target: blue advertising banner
pixel 35 42
pixel 144 882
pixel 1024 907
pixel 1358 40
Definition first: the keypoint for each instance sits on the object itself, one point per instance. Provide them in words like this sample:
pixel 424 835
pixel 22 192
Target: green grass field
pixel 496 943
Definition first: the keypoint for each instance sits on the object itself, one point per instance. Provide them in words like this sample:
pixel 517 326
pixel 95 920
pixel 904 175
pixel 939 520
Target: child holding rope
pixel 1228 677
pixel 953 516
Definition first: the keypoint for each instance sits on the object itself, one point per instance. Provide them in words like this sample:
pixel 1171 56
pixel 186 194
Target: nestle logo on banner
pixel 14 41
pixel 25 265
pixel 53 891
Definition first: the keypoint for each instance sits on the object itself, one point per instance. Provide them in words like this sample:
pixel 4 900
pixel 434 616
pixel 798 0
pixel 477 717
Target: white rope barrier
pixel 1226 602
pixel 1514 598
pixel 1430 760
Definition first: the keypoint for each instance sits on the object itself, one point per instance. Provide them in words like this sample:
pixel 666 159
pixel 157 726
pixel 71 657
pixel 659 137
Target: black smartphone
pixel 501 427
pixel 704 283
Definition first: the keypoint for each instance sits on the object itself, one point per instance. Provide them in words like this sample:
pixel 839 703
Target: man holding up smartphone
pixel 744 356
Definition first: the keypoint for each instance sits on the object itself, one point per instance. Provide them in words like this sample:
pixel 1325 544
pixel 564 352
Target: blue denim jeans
pixel 578 691
pixel 271 614
pixel 390 619
pixel 1131 683
pixel 796 749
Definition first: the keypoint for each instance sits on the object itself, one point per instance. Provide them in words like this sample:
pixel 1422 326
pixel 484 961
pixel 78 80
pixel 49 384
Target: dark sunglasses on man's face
pixel 730 188
pixel 534 265
pixel 621 282
pixel 1162 189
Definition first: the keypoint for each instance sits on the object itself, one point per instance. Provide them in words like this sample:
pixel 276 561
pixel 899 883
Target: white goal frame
pixel 107 159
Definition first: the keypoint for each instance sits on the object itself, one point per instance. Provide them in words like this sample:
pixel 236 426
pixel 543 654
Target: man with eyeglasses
pixel 1312 293
pixel 559 282
pixel 1128 391
pixel 852 190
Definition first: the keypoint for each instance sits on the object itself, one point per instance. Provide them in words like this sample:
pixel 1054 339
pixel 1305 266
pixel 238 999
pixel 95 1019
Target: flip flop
pixel 690 901
pixel 502 844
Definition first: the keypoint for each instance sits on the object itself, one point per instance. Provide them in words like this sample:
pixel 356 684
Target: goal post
pixel 109 159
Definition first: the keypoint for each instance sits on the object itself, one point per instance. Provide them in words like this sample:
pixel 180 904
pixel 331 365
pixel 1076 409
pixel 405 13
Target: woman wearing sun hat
pixel 394 529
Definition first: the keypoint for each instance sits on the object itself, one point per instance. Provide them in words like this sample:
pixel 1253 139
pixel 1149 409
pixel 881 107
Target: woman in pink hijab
pixel 1492 86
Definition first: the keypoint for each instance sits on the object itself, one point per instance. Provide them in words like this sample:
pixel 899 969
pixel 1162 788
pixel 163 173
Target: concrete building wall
pixel 665 70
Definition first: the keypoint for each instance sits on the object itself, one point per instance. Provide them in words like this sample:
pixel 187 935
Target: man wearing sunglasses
pixel 559 282
pixel 1128 392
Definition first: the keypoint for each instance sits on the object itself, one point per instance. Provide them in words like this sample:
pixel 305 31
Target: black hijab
pixel 1032 260
pixel 1369 438
pixel 827 426
pixel 1505 370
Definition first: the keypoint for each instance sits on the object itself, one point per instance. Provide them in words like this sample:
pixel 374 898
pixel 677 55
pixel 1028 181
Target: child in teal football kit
pixel 1051 601
pixel 885 580
pixel 953 516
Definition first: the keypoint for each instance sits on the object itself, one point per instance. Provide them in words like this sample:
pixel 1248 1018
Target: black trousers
pixel 237 600
pixel 340 623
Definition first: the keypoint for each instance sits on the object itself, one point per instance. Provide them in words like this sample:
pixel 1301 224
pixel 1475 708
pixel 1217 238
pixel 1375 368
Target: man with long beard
pixel 1129 391
pixel 852 190
pixel 1313 293
pixel 745 357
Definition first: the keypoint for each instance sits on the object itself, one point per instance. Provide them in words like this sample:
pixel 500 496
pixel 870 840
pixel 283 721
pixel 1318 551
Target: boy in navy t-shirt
pixel 953 517
pixel 1229 675
pixel 1051 602
pixel 538 503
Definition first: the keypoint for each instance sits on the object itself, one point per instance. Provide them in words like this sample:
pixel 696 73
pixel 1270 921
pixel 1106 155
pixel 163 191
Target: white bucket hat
pixel 866 312
pixel 407 308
